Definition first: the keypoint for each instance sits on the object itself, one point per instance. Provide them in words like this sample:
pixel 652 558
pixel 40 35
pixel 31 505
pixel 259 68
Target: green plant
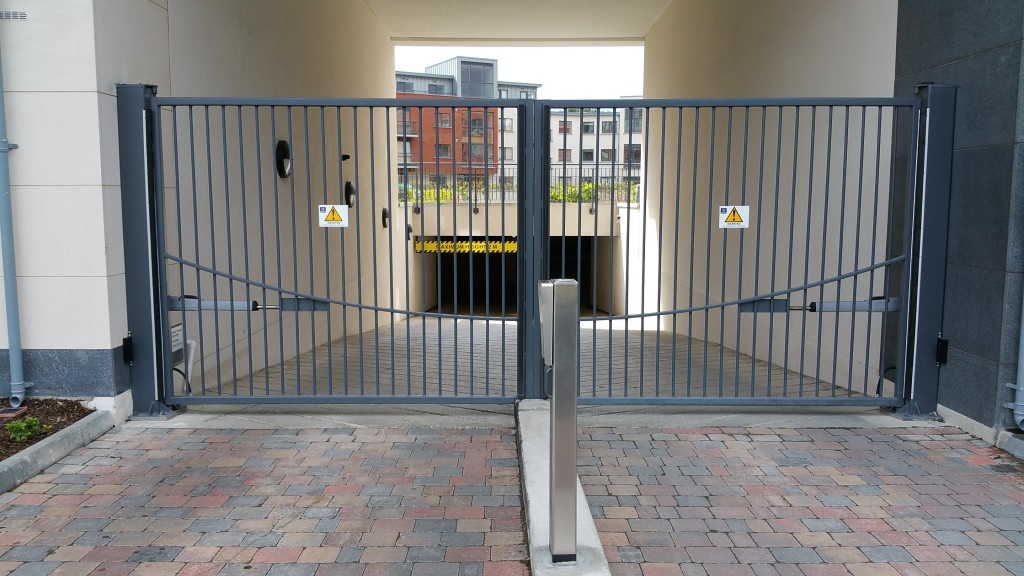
pixel 22 430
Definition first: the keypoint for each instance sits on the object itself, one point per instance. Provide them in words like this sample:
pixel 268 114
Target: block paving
pixel 310 502
pixel 807 502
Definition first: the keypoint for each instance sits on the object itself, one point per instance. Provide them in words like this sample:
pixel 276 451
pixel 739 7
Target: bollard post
pixel 559 318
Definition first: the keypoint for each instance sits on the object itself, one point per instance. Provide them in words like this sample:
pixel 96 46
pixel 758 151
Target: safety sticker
pixel 734 216
pixel 333 216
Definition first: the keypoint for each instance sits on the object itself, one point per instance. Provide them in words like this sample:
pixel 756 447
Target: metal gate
pixel 728 252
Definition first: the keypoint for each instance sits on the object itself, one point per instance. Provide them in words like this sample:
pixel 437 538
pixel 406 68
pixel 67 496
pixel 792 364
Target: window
pixel 444 151
pixel 506 155
pixel 607 155
pixel 526 95
pixel 477 80
pixel 503 93
pixel 444 120
pixel 635 121
pixel 475 153
pixel 631 153
pixel 403 86
pixel 565 154
pixel 609 126
pixel 588 127
pixel 587 155
pixel 439 179
pixel 436 89
pixel 564 127
pixel 508 125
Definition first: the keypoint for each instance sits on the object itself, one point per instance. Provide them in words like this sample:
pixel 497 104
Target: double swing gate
pixel 733 252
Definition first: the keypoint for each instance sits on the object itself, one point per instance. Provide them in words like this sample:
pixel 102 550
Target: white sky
pixel 565 72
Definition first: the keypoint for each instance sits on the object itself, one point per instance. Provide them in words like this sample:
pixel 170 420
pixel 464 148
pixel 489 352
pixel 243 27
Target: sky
pixel 565 72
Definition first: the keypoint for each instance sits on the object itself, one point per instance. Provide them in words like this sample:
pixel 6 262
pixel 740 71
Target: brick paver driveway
pixel 809 502
pixel 319 502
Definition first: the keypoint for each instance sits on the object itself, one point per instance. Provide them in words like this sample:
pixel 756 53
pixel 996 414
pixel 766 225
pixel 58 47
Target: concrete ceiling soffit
pixel 518 22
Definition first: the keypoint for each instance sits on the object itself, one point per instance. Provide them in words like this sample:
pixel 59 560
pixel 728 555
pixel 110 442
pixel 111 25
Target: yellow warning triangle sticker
pixel 333 215
pixel 732 218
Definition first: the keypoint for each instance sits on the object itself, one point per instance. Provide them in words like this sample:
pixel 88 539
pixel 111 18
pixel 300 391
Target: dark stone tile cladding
pixel 931 33
pixel 975 46
pixel 69 373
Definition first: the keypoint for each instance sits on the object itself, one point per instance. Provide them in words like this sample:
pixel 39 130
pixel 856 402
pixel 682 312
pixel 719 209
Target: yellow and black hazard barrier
pixel 465 246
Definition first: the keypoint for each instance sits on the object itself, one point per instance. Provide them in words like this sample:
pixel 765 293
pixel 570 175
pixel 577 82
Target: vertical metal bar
pixel 263 249
pixel 839 261
pixel 824 250
pixel 295 256
pixel 856 251
pixel 874 255
pixel 142 260
pixel 195 232
pixel 391 247
pixel 931 177
pixel 309 233
pixel 373 247
pixel 792 241
pixel 344 267
pixel 693 240
pixel 707 262
pixel 757 253
pixel 186 388
pixel 213 246
pixel 725 256
pixel 739 285
pixel 661 233
pixel 437 215
pixel 327 252
pixel 675 243
pixel 643 242
pixel 359 249
pixel 807 244
pixel 775 246
pixel 245 243
pixel 231 269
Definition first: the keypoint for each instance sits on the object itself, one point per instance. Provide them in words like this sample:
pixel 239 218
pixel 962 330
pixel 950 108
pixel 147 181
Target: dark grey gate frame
pixel 926 215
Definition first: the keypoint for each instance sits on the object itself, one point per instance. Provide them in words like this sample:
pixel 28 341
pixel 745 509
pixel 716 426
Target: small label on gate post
pixel 333 216
pixel 734 216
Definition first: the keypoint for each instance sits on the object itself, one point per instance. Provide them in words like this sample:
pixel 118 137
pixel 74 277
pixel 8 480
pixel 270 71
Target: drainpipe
pixel 9 270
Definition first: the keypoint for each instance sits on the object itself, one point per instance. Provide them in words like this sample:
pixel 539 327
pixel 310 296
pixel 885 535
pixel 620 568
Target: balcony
pixel 407 128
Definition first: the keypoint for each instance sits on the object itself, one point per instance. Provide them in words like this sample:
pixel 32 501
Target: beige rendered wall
pixel 750 48
pixel 321 48
pixel 61 66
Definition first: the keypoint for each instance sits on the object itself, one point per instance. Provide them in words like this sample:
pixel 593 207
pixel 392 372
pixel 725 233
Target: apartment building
pixel 597 146
pixel 440 146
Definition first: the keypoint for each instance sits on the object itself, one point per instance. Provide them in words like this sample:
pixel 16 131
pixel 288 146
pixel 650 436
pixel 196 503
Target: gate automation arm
pixel 193 304
pixel 775 305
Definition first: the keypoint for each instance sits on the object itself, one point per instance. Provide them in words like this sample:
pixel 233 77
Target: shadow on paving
pixel 774 501
pixel 363 502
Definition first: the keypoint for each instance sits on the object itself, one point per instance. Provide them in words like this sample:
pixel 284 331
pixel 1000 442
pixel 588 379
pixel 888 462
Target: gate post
pixel 928 268
pixel 533 231
pixel 137 152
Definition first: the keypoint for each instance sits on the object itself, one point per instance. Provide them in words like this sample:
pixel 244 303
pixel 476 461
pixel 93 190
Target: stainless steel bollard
pixel 560 330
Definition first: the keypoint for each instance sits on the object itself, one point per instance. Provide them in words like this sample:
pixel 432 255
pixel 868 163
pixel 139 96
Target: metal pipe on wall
pixel 9 269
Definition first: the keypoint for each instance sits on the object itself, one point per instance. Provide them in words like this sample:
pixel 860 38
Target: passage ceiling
pixel 518 22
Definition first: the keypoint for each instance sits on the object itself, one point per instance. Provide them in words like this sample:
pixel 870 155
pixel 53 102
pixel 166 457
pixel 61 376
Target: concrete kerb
pixel 533 426
pixel 40 456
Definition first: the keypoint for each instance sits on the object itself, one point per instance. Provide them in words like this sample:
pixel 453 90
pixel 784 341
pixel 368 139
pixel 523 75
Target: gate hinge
pixel 941 350
pixel 127 349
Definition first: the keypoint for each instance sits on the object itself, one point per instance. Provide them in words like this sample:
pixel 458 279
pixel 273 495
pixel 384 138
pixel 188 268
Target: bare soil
pixel 54 413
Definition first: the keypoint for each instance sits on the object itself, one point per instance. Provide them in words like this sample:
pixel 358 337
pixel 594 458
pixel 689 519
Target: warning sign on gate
pixel 333 216
pixel 734 216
